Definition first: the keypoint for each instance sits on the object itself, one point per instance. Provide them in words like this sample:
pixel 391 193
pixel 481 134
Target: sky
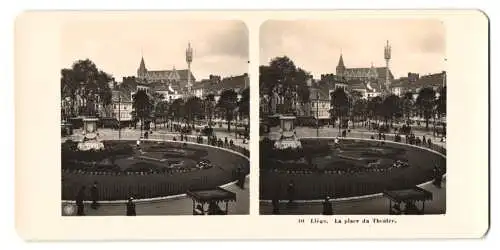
pixel 220 46
pixel 418 45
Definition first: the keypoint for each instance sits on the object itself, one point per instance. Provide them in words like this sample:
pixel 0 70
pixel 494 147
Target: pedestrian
pixel 131 207
pixel 79 201
pixel 276 205
pixel 424 140
pixel 94 194
pixel 327 206
pixel 290 192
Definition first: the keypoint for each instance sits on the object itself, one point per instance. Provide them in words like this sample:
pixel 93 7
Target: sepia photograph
pixel 154 117
pixel 352 117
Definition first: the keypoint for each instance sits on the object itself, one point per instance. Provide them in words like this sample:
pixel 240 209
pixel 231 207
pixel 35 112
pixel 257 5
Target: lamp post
pixel 317 114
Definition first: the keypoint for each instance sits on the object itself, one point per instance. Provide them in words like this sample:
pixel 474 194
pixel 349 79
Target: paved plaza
pixel 176 206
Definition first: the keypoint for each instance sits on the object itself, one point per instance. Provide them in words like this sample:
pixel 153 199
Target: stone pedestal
pixel 90 139
pixel 288 138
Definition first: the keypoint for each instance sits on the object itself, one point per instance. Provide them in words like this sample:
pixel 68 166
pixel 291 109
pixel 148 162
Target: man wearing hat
pixel 327 206
pixel 131 207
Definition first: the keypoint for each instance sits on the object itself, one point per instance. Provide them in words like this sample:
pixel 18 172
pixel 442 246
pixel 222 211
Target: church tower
pixel 142 71
pixel 387 57
pixel 189 59
pixel 340 67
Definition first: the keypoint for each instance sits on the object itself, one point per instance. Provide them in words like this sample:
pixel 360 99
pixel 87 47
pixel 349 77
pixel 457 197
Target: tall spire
pixel 340 66
pixel 142 71
pixel 341 61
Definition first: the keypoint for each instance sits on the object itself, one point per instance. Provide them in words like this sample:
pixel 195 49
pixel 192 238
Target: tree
pixel 301 78
pixel 88 85
pixel 285 79
pixel 391 108
pixel 142 106
pixel 441 105
pixel 355 105
pixel 340 104
pixel 176 109
pixel 156 98
pixel 426 101
pixel 193 109
pixel 244 105
pixel 228 103
pixel 161 110
pixel 209 108
pixel 407 104
pixel 374 107
pixel 441 102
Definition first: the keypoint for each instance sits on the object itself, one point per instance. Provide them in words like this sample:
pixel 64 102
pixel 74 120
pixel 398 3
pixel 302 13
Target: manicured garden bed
pixel 355 168
pixel 161 169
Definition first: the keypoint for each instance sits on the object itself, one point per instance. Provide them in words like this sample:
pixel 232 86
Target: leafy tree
pixel 209 108
pixel 142 106
pixel 176 109
pixel 288 81
pixel 426 101
pixel 156 98
pixel 161 110
pixel 375 107
pixel 193 109
pixel 407 104
pixel 86 84
pixel 228 103
pixel 441 102
pixel 355 97
pixel 340 103
pixel 244 105
pixel 391 108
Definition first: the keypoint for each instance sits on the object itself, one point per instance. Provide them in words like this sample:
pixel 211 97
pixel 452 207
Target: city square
pixel 360 140
pixel 157 142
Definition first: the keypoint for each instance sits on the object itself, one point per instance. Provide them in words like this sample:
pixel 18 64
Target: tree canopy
pixel 87 84
pixel 227 103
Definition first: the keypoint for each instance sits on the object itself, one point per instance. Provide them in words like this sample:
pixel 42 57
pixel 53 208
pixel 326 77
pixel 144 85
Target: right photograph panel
pixel 353 117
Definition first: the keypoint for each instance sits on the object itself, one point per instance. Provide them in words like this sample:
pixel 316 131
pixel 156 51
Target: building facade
pixel 121 106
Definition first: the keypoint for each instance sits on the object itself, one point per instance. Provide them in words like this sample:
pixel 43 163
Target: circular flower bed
pixel 155 169
pixel 350 168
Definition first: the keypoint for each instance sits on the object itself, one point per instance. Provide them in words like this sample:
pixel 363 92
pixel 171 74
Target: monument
pixel 288 138
pixel 90 139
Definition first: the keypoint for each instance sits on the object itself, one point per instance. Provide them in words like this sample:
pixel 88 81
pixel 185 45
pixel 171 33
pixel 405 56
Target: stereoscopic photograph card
pixel 136 125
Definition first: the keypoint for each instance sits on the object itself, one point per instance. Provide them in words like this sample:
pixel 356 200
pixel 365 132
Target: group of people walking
pixel 94 198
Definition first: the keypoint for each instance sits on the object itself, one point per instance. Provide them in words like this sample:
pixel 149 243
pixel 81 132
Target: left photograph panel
pixel 154 118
